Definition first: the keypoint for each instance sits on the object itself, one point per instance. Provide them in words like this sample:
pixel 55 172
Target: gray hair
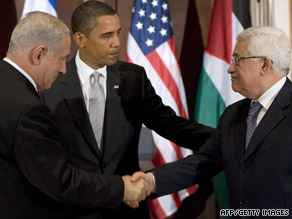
pixel 35 29
pixel 271 42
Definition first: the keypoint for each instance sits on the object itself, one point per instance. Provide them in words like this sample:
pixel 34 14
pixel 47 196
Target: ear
pixel 80 39
pixel 38 53
pixel 267 64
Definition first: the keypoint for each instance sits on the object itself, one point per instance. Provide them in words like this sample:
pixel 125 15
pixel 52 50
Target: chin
pixel 112 62
pixel 234 88
pixel 47 86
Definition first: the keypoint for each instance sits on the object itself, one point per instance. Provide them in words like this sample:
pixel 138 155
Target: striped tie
pixel 96 106
pixel 252 121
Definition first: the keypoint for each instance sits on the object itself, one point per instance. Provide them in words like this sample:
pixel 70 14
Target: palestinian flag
pixel 214 93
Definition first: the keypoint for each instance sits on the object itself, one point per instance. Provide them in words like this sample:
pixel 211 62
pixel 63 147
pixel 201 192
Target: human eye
pixel 107 35
pixel 235 59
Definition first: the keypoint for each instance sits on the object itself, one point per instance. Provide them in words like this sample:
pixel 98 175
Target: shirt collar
pixel 267 98
pixel 84 71
pixel 22 72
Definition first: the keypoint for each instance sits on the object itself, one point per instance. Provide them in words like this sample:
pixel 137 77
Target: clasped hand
pixel 137 188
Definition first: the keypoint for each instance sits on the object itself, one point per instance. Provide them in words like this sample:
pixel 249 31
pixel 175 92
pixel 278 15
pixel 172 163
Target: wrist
pixel 153 180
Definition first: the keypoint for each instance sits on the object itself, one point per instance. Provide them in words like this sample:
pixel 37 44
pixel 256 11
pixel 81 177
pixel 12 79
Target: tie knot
pixel 254 108
pixel 94 77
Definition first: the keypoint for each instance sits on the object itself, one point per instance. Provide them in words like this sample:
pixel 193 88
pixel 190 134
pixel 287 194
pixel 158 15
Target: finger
pixel 137 176
pixel 133 204
pixel 148 188
pixel 145 183
pixel 143 194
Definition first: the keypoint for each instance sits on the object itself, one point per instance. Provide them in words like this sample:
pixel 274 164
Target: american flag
pixel 151 45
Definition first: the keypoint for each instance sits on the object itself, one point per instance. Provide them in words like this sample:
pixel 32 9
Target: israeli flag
pixel 47 6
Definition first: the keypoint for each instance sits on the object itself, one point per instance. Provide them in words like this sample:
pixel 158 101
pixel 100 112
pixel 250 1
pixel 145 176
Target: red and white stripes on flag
pixel 151 45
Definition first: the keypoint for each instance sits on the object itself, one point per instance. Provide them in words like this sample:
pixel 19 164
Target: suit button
pixel 243 202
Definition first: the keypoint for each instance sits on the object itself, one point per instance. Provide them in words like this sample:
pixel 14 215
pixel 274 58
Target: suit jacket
pixel 36 179
pixel 258 178
pixel 134 102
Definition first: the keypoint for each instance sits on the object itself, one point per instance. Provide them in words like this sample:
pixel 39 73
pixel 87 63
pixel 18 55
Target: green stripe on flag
pixel 208 108
pixel 209 103
pixel 221 190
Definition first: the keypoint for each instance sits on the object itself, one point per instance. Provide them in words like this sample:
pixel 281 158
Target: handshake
pixel 137 188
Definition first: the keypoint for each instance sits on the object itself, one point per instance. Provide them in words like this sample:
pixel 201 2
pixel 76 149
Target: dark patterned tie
pixel 96 106
pixel 252 121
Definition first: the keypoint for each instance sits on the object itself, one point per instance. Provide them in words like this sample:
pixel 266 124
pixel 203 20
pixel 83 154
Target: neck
pixel 23 62
pixel 91 63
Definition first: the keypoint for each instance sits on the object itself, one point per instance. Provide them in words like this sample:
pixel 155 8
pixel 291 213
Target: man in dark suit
pixel 37 179
pixel 130 101
pixel 258 166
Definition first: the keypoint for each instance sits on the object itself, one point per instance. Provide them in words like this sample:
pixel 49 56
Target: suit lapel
pixel 272 118
pixel 239 128
pixel 74 99
pixel 13 72
pixel 113 100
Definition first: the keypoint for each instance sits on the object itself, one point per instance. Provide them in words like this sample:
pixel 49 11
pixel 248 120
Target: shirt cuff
pixel 154 182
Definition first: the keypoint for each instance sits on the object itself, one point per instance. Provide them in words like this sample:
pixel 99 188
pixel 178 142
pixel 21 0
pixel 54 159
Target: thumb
pixel 137 176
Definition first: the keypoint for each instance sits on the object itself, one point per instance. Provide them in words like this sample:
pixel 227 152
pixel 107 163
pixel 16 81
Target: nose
pixel 116 41
pixel 63 69
pixel 231 68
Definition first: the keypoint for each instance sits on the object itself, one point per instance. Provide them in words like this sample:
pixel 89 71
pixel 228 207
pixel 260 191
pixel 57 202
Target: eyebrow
pixel 110 32
pixel 65 57
pixel 107 33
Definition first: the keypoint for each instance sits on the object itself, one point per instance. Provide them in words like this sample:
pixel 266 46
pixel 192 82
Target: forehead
pixel 107 22
pixel 241 48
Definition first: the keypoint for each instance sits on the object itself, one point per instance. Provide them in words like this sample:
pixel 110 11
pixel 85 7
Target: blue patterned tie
pixel 252 121
pixel 96 106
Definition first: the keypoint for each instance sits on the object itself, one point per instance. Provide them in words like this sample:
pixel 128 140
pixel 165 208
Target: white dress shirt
pixel 267 98
pixel 22 72
pixel 84 72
